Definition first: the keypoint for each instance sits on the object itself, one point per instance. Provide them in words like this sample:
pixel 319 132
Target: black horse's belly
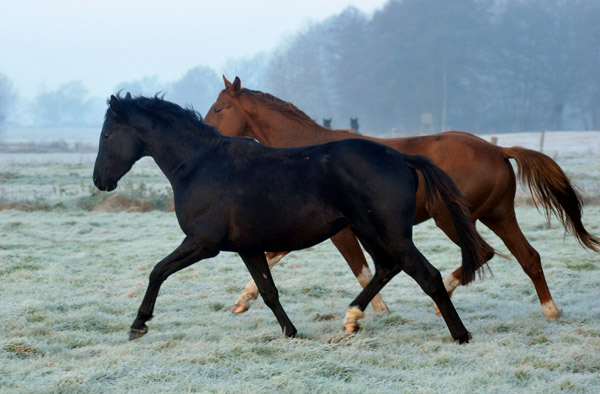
pixel 274 229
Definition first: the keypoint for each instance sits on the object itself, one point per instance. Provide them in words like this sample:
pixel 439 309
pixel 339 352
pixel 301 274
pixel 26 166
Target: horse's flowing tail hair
pixel 552 190
pixel 441 194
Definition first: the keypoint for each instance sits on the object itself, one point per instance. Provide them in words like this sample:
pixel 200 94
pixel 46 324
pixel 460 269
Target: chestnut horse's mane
pixel 279 105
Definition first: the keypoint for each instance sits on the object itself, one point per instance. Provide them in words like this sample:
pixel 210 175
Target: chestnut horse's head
pixel 226 113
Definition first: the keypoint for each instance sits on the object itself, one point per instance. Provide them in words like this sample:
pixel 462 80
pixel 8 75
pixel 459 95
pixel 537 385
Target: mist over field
pixel 409 67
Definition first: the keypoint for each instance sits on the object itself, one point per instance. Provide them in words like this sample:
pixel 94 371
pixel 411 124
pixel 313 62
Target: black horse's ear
pixel 128 96
pixel 115 106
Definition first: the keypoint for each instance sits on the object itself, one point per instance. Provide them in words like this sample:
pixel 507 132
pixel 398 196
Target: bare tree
pixel 7 98
pixel 66 106
pixel 197 88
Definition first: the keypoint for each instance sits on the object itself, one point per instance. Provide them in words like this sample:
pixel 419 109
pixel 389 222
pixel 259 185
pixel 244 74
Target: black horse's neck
pixel 175 137
pixel 176 149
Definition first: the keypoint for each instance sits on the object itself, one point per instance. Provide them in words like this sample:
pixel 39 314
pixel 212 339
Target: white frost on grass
pixel 72 283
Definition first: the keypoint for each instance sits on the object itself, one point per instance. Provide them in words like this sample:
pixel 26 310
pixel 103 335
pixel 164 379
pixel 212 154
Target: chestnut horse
pixel 217 182
pixel 481 171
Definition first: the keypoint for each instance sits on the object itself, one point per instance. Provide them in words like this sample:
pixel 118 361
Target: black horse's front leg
pixel 259 269
pixel 188 253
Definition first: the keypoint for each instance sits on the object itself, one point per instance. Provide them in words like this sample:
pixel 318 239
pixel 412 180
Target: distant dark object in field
pixel 327 122
pixel 481 170
pixel 221 202
pixel 354 124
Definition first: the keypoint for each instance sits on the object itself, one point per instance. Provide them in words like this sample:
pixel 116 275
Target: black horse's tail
pixel 443 197
pixel 552 190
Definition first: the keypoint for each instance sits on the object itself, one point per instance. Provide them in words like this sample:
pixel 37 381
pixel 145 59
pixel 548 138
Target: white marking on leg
pixel 377 302
pixel 353 314
pixel 365 276
pixel 550 310
pixel 451 283
pixel 250 292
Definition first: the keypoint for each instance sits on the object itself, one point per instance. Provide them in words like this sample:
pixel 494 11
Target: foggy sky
pixel 44 44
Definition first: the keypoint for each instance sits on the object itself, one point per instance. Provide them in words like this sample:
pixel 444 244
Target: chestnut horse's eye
pixel 217 110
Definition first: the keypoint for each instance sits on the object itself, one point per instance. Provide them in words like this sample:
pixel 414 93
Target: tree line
pixel 418 66
pixel 414 66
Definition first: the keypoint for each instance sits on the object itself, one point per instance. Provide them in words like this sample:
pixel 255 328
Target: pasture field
pixel 74 265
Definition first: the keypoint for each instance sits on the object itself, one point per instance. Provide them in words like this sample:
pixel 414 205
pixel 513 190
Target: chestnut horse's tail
pixel 552 190
pixel 443 194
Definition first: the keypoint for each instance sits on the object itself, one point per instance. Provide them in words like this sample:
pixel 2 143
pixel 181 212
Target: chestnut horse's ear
pixel 115 106
pixel 236 87
pixel 128 96
pixel 233 89
pixel 227 83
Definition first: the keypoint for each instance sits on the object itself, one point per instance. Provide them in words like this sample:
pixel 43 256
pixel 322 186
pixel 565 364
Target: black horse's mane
pixel 162 111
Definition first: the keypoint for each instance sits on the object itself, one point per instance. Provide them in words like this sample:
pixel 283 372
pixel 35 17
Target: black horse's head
pixel 119 148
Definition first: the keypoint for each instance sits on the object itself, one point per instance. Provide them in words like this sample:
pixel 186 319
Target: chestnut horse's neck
pixel 278 123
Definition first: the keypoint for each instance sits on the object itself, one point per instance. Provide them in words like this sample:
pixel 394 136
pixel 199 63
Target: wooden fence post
pixel 542 137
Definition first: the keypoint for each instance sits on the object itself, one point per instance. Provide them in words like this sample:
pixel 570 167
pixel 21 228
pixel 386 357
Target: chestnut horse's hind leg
pixel 452 281
pixel 257 265
pixel 507 228
pixel 185 255
pixel 242 304
pixel 444 223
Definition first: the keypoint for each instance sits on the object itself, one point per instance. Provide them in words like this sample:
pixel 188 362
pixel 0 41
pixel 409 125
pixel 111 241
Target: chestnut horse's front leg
pixel 189 252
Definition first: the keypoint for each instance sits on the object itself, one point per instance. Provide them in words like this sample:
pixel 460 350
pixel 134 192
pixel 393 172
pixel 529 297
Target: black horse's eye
pixel 217 110
pixel 105 135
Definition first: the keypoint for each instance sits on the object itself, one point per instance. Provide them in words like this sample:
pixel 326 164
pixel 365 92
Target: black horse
pixel 221 204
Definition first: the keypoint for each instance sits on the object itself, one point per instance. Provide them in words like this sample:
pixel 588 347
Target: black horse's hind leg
pixel 357 307
pixel 430 280
pixel 185 255
pixel 426 275
pixel 259 269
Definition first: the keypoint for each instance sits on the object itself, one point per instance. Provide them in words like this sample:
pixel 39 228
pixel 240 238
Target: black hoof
pixel 464 339
pixel 135 333
pixel 291 334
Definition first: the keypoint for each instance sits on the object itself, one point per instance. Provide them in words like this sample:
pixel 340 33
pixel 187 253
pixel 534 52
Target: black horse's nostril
pixel 98 183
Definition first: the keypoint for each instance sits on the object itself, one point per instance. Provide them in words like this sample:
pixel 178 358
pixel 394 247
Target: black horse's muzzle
pixel 105 186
